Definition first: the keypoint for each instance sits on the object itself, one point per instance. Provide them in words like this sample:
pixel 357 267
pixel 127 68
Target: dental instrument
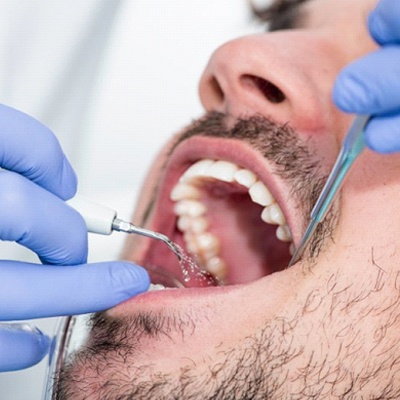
pixel 103 220
pixel 352 146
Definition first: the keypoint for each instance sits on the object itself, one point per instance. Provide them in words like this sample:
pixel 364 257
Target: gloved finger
pixel 36 291
pixel 383 22
pixel 31 149
pixel 370 85
pixel 21 346
pixel 383 133
pixel 39 220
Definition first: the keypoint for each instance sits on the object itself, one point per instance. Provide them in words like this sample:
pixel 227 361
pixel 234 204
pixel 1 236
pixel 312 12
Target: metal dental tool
pixel 104 221
pixel 352 146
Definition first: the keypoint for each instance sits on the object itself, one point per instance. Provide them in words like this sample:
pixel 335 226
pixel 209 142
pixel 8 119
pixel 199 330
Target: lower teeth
pixel 155 287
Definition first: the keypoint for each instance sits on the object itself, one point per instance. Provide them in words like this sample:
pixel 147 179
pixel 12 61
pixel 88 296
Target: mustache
pixel 280 144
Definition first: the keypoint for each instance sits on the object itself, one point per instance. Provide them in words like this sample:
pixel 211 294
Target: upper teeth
pixel 191 211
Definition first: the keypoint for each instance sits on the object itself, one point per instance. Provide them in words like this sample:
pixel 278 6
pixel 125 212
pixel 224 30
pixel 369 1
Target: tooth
pixel 156 286
pixel 198 225
pixel 266 216
pixel 191 243
pixel 260 194
pixel 277 214
pixel 245 177
pixel 222 170
pixel 191 208
pixel 207 242
pixel 196 170
pixel 193 225
pixel 183 223
pixel 183 191
pixel 273 214
pixel 292 248
pixel 283 233
pixel 212 251
pixel 217 267
pixel 204 246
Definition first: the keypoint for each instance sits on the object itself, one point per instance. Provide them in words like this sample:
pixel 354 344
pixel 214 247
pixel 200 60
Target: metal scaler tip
pixel 127 227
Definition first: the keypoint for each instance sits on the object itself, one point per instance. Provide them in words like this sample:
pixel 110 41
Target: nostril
pixel 217 92
pixel 271 92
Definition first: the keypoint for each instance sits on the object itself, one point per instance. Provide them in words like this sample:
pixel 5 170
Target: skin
pixel 325 328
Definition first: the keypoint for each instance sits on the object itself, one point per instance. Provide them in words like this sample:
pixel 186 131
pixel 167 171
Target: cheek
pixel 374 172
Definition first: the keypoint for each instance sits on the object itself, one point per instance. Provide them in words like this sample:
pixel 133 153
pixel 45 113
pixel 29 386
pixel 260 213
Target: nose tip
pixel 231 85
pixel 274 75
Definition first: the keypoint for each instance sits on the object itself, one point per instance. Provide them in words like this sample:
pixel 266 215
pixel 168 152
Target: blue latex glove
pixel 35 180
pixel 371 85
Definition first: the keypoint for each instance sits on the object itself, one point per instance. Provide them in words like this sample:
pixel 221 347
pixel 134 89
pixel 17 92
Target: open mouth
pixel 229 219
pixel 221 212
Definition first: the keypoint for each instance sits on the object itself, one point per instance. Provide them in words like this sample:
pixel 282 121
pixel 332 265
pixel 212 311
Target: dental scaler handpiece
pixel 103 220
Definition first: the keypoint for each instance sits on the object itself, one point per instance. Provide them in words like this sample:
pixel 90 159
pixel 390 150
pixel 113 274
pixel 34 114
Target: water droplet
pixel 190 268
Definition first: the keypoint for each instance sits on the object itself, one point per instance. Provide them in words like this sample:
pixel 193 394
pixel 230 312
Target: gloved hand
pixel 371 85
pixel 35 180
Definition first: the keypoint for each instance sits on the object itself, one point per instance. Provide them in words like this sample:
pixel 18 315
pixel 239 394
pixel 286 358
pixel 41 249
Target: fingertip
pixel 376 27
pixel 383 22
pixel 31 149
pixel 376 144
pixel 382 136
pixel 69 179
pixel 22 346
pixel 130 278
pixel 42 345
pixel 342 93
pixel 50 290
pixel 351 95
pixel 97 287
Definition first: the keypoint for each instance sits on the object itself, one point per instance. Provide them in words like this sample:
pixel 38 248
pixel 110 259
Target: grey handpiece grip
pixel 99 219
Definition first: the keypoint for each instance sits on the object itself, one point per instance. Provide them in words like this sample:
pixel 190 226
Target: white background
pixel 113 79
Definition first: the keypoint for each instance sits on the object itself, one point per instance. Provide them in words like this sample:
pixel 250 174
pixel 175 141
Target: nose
pixel 275 75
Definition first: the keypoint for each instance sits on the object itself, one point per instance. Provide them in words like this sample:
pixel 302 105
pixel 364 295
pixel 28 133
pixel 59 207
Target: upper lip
pixel 189 151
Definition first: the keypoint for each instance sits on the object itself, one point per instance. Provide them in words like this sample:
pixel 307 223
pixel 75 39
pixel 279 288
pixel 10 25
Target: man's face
pixel 325 328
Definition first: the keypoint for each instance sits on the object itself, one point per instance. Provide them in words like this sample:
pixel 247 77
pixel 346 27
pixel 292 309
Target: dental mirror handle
pixel 352 146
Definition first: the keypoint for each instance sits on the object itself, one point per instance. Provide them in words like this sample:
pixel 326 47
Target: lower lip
pixel 161 298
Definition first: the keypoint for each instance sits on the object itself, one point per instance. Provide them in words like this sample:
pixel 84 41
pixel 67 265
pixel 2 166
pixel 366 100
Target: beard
pixel 107 368
pixel 270 364
pixel 102 370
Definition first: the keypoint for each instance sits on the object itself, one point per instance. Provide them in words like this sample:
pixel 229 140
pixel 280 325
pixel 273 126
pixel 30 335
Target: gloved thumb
pixel 21 346
pixel 37 291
